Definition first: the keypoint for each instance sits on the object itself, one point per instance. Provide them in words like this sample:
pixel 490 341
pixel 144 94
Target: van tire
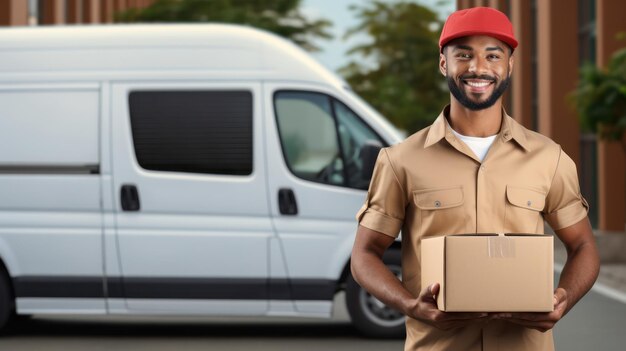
pixel 369 316
pixel 6 301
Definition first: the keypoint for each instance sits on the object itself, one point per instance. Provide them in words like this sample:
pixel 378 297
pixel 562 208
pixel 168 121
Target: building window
pixel 587 31
pixel 193 131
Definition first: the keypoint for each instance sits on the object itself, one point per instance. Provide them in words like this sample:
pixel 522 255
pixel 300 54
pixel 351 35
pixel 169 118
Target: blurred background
pixel 569 81
pixel 387 51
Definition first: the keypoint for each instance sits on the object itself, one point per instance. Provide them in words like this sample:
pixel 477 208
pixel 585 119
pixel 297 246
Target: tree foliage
pixel 600 99
pixel 282 17
pixel 404 84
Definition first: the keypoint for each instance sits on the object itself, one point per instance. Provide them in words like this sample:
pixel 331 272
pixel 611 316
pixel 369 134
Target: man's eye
pixel 465 56
pixel 493 57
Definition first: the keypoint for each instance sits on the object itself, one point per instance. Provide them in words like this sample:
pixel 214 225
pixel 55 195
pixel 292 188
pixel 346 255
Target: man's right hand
pixel 425 309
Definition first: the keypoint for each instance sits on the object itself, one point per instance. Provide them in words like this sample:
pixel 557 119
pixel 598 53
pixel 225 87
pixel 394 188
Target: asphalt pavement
pixel 597 322
pixel 52 333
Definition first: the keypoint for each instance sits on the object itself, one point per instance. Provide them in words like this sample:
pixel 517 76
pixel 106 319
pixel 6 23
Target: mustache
pixel 476 76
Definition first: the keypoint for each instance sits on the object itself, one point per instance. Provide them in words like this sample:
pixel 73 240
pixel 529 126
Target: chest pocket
pixel 523 210
pixel 440 211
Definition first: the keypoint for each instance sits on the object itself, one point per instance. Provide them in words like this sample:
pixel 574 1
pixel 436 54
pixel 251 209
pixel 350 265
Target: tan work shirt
pixel 432 184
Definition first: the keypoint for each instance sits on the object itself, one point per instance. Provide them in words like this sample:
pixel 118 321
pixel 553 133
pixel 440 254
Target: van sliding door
pixel 190 199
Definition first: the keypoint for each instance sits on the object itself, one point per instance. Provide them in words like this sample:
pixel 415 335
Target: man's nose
pixel 478 66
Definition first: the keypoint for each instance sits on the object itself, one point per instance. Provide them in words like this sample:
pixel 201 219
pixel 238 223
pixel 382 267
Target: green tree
pixel 282 17
pixel 600 99
pixel 404 84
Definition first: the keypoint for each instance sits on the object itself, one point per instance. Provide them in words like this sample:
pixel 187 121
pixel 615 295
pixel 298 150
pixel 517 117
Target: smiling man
pixel 474 170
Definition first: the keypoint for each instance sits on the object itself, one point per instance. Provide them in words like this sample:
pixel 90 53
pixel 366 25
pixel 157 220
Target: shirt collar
pixel 510 130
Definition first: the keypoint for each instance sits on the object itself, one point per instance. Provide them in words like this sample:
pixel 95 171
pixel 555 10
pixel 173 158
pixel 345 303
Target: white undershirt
pixel 480 146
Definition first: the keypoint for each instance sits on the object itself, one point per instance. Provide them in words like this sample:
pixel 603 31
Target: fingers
pixel 434 290
pixel 429 294
pixel 560 296
pixel 428 312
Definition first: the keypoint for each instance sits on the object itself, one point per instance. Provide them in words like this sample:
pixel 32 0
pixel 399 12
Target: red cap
pixel 478 21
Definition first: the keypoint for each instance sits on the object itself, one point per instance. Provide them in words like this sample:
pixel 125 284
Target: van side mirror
pixel 368 154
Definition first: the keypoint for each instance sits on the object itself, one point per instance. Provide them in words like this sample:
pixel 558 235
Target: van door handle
pixel 287 202
pixel 130 198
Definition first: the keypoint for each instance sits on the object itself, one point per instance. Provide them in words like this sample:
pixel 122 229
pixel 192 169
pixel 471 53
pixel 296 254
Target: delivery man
pixel 474 170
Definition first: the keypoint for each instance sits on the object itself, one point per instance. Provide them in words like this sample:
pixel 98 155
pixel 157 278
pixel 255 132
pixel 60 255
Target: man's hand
pixel 542 321
pixel 425 310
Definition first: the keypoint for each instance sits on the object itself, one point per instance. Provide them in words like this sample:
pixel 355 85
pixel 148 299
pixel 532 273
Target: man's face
pixel 478 70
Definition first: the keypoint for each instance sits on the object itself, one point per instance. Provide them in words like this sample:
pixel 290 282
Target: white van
pixel 180 170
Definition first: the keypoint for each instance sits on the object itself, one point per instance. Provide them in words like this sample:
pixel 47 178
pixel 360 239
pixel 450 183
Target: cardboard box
pixel 490 272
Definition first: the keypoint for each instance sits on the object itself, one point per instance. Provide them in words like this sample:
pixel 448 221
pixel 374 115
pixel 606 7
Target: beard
pixel 471 104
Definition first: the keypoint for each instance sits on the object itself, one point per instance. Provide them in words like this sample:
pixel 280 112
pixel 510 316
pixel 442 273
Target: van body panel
pixel 50 203
pixel 222 51
pixel 211 229
pixel 44 243
pixel 44 218
pixel 323 229
pixel 50 193
pixel 25 125
pixel 50 305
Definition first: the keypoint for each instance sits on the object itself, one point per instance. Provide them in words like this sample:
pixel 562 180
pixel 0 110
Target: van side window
pixel 322 138
pixel 193 131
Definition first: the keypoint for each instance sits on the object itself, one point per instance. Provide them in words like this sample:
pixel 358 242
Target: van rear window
pixel 193 131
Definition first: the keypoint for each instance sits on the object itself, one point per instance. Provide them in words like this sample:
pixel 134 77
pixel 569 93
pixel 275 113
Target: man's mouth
pixel 477 85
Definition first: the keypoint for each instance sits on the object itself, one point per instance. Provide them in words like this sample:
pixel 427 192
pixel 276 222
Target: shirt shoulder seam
pixel 556 168
pixel 395 175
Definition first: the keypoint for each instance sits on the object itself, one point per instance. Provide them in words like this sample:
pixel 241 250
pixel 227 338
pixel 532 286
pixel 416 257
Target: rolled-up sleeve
pixel 565 205
pixel 385 204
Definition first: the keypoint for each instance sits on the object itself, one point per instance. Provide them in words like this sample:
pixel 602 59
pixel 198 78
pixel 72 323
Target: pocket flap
pixel 436 199
pixel 526 198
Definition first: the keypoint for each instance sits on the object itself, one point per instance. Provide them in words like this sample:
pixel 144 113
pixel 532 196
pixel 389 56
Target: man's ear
pixel 511 62
pixel 443 68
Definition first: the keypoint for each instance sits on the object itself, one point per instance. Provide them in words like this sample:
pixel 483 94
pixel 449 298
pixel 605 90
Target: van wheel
pixel 6 300
pixel 370 316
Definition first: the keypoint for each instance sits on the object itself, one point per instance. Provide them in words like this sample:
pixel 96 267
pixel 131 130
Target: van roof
pixel 154 51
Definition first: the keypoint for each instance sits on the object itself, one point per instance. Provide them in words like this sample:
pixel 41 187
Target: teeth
pixel 478 84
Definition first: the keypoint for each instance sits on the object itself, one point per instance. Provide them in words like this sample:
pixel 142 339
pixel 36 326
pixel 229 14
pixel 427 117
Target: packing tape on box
pixel 501 246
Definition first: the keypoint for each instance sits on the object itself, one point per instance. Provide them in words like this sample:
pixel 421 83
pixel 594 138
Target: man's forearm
pixel 372 274
pixel 580 272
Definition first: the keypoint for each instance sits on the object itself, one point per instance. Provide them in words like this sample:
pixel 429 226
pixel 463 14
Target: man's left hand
pixel 542 321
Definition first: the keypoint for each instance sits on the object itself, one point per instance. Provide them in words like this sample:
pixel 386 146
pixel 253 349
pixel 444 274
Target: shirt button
pixel 529 203
pixel 437 203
